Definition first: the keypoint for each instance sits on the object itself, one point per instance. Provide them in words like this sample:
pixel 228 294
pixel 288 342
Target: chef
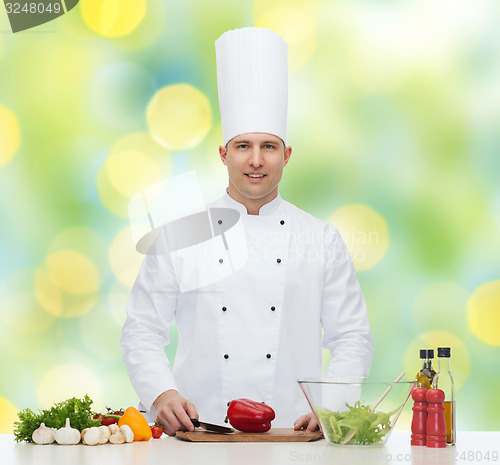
pixel 263 325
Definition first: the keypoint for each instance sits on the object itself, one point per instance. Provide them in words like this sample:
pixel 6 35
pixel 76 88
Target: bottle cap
pixel 426 353
pixel 444 352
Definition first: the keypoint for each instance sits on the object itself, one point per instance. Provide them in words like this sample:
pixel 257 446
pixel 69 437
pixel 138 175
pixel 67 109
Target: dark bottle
pixel 426 375
pixel 444 381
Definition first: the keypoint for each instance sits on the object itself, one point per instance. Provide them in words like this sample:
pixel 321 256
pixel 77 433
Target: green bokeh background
pixel 392 104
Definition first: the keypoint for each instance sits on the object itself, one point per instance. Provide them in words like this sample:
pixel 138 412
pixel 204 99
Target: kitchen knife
pixel 211 427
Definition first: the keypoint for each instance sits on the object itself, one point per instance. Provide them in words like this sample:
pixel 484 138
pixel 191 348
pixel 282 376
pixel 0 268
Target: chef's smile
pixel 255 177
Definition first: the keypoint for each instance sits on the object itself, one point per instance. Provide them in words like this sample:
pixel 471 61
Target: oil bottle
pixel 444 381
pixel 426 375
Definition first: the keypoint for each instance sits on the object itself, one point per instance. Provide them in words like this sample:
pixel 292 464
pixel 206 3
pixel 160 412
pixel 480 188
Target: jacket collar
pixel 269 208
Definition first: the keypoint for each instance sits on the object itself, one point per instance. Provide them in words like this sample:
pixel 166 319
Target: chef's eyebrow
pixel 241 141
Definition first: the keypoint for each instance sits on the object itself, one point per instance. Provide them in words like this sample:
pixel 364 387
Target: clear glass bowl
pixel 344 407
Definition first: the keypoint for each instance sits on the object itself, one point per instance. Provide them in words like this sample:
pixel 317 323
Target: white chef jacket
pixel 256 332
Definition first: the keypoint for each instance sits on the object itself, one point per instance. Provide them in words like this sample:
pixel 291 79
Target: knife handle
pixel 195 422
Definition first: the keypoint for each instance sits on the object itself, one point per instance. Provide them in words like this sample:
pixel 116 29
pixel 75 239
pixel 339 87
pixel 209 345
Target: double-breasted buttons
pixel 220 221
pixel 268 305
pixel 220 260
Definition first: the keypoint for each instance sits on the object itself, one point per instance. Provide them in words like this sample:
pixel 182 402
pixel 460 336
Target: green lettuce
pixel 369 427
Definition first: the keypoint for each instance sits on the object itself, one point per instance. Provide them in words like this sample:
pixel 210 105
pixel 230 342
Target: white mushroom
pixel 126 430
pixel 105 433
pixel 91 436
pixel 117 438
pixel 114 428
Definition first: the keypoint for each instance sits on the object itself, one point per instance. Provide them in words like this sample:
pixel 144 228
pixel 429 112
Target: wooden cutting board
pixel 273 435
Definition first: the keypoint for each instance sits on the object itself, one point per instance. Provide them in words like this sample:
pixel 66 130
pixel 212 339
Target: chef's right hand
pixel 173 412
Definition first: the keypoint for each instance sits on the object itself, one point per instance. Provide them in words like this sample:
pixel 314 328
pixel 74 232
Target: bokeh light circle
pixel 65 294
pixel 73 272
pixel 129 171
pixel 68 380
pixel 86 241
pixel 68 282
pixel 460 357
pixel 113 18
pixel 297 27
pixel 135 162
pixel 109 197
pixel 26 328
pixel 10 135
pixel 365 233
pixel 179 116
pixel 20 310
pixel 483 313
pixel 8 415
pixel 48 293
pixel 125 260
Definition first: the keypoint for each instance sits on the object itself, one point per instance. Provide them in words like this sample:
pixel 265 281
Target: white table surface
pixel 471 447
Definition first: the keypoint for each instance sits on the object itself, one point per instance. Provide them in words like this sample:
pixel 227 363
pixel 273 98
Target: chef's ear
pixel 288 153
pixel 223 154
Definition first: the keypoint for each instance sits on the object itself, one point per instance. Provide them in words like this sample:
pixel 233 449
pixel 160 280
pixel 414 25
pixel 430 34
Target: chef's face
pixel 255 163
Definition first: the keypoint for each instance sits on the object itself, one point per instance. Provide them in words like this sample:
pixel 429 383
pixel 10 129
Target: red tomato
pixel 109 421
pixel 157 431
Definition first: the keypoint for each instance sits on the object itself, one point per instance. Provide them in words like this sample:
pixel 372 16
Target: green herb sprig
pixel 77 410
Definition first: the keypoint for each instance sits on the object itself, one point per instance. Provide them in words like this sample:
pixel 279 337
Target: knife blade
pixel 211 427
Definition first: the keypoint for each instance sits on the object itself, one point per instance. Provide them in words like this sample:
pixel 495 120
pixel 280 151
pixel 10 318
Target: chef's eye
pixel 269 147
pixel 242 146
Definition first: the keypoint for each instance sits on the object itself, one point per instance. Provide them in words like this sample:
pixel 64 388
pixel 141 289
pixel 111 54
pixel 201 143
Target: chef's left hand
pixel 308 421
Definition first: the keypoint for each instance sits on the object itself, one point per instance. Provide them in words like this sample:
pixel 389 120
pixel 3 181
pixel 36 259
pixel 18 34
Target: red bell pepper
pixel 250 416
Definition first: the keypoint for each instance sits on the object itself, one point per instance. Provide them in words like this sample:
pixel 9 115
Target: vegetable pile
pixel 370 427
pixel 72 421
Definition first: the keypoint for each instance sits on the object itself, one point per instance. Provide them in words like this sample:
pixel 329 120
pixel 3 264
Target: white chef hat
pixel 252 79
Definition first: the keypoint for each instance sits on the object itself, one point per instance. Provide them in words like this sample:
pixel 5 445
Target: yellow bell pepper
pixel 138 424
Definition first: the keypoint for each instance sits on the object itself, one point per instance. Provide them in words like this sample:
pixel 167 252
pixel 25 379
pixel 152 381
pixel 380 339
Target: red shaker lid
pixel 419 394
pixel 435 395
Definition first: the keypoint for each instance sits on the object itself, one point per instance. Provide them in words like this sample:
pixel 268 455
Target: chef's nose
pixel 256 158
